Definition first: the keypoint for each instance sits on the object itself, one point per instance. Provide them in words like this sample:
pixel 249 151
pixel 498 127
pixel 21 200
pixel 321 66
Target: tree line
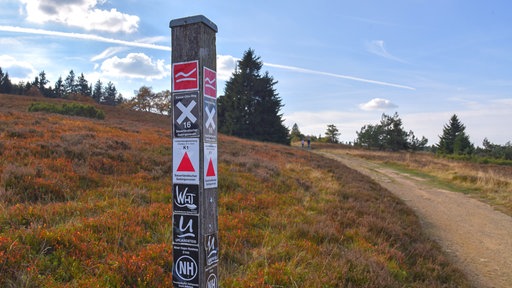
pixel 250 108
pixel 390 135
pixel 68 88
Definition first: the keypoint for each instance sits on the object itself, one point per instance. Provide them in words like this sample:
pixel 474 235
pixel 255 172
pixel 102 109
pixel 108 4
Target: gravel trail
pixel 476 237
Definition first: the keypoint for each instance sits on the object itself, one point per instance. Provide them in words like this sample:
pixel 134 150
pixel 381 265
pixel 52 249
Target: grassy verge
pixel 491 183
pixel 88 204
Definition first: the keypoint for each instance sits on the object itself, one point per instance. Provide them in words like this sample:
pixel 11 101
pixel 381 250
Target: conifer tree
pixel 70 83
pixel 59 88
pixel 454 139
pixel 332 133
pixel 250 107
pixel 110 94
pixel 83 86
pixel 5 82
pixel 295 133
pixel 97 92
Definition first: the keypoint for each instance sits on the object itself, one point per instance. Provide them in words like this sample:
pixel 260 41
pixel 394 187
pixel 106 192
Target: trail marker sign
pixel 195 169
pixel 210 120
pixel 210 83
pixel 186 114
pixel 210 164
pixel 185 160
pixel 185 76
pixel 185 198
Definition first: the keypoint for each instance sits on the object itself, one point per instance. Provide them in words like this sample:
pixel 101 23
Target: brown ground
pixel 476 237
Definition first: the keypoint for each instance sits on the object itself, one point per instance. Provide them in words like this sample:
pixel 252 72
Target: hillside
pixel 86 203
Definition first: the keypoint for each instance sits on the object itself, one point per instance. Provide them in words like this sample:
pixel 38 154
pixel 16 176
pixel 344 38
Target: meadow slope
pixel 86 203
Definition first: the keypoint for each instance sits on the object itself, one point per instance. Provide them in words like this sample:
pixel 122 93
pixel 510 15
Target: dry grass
pixel 87 203
pixel 489 182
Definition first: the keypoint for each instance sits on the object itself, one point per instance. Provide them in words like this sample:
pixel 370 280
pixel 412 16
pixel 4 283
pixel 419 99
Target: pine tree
pixel 454 139
pixel 70 83
pixel 5 83
pixel 97 92
pixel 251 106
pixel 42 84
pixel 110 94
pixel 295 134
pixel 332 133
pixel 59 88
pixel 83 86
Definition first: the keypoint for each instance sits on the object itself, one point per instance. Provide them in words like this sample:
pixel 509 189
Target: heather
pixel 87 203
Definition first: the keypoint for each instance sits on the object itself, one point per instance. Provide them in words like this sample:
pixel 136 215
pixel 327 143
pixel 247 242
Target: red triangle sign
pixel 211 170
pixel 186 164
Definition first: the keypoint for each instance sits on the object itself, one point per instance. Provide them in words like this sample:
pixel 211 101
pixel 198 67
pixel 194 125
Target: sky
pixel 336 62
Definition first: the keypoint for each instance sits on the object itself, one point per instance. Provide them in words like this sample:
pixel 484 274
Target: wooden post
pixel 195 174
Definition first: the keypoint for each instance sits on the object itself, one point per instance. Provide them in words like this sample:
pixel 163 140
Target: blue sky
pixel 336 62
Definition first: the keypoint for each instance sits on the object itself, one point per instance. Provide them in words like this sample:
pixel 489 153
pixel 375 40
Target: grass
pixel 489 182
pixel 87 203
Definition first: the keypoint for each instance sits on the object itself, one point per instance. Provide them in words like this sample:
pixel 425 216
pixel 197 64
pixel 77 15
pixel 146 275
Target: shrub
pixel 72 109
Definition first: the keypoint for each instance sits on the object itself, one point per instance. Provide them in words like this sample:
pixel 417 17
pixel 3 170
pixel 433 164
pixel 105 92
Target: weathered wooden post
pixel 194 104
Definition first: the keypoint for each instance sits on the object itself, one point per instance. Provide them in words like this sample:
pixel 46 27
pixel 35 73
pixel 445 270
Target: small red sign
pixel 186 164
pixel 210 83
pixel 211 170
pixel 185 76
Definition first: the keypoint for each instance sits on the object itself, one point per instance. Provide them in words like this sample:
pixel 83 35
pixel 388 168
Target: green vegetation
pixel 88 204
pixel 464 173
pixel 251 106
pixel 71 109
pixel 389 135
pixel 454 139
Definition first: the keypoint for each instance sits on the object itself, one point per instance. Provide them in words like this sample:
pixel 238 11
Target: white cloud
pixel 377 47
pixel 18 70
pixel 109 52
pixel 135 65
pixel 225 66
pixel 80 13
pixel 377 104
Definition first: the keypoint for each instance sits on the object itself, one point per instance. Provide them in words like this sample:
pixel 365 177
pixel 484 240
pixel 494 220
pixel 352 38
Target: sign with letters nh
pixel 211 277
pixel 185 76
pixel 186 268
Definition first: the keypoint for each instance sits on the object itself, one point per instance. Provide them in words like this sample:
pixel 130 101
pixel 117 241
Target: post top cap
pixel 193 20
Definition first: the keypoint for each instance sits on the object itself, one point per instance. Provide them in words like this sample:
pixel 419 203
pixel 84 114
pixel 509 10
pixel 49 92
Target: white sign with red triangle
pixel 185 161
pixel 210 165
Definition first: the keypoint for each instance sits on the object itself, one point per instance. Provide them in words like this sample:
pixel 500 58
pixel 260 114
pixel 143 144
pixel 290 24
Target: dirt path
pixel 476 237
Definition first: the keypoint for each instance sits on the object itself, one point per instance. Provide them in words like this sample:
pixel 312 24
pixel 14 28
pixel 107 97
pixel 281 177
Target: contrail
pixel 97 38
pixel 309 71
pixel 82 36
